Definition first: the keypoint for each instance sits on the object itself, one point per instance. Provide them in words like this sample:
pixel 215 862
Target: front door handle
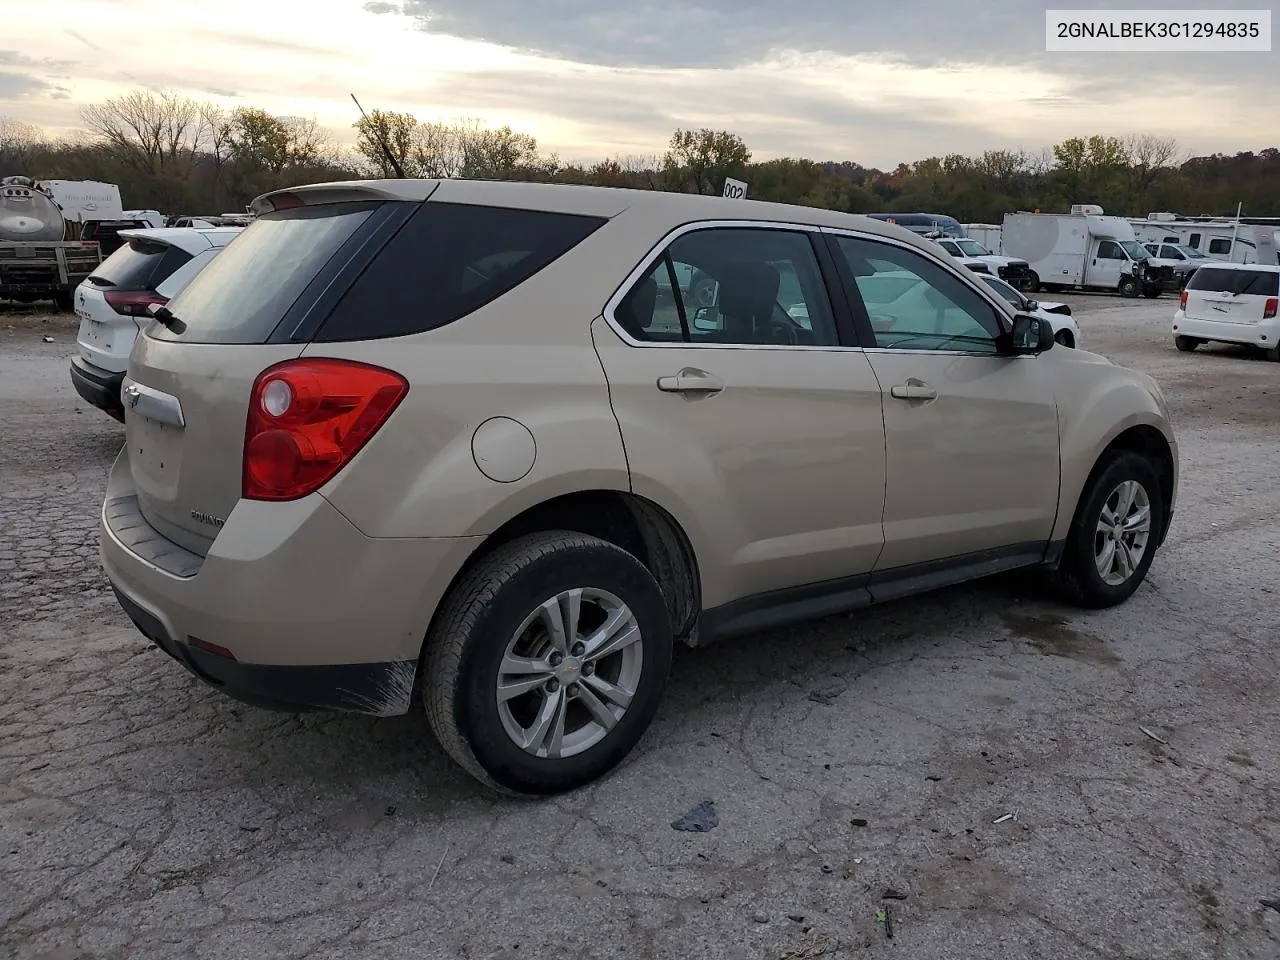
pixel 691 380
pixel 914 390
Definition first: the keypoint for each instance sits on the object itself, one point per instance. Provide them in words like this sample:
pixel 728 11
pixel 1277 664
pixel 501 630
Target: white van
pixel 1231 303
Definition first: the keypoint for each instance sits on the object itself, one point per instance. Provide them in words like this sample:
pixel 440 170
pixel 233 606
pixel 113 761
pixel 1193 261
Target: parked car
pixel 1015 271
pixel 512 497
pixel 1230 303
pixel 112 302
pixel 1057 315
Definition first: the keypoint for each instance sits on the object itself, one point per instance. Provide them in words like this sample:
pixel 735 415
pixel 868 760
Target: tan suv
pixel 501 445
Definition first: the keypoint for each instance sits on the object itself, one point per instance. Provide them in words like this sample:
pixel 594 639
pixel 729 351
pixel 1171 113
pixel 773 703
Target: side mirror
pixel 1030 335
pixel 702 320
pixel 1033 304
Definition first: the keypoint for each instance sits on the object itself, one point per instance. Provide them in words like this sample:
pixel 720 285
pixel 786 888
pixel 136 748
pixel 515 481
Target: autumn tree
pixel 698 161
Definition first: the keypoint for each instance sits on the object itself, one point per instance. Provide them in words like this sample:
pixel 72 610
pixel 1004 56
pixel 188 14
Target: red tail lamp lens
pixel 1182 301
pixel 1269 310
pixel 308 419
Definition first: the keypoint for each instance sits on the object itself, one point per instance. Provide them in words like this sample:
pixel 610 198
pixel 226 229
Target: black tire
pixel 469 637
pixel 1151 293
pixel 1063 338
pixel 1273 354
pixel 1077 576
pixel 63 301
pixel 1129 287
pixel 1185 344
pixel 1032 283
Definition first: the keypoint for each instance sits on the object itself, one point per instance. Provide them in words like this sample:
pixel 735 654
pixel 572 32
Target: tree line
pixel 183 156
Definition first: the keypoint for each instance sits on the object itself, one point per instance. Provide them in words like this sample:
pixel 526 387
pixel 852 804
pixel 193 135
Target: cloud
pixel 378 6
pixel 21 86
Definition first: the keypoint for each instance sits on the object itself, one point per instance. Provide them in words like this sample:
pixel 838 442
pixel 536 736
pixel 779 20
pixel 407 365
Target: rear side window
pixel 245 292
pixel 450 260
pixel 138 265
pixel 1256 283
pixel 1219 245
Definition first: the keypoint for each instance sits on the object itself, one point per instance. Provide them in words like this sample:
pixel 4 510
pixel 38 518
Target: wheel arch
pixel 1141 436
pixel 636 524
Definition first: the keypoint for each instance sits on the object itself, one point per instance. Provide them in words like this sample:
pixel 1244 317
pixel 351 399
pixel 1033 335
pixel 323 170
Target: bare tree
pixel 1148 157
pixel 152 132
pixel 18 142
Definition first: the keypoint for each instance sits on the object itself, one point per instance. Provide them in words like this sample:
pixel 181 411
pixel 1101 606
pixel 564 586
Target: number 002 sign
pixel 734 189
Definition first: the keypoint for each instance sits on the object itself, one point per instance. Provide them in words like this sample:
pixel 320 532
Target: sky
pixel 874 81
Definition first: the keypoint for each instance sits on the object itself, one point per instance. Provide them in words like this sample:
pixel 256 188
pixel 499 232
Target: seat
pixel 748 298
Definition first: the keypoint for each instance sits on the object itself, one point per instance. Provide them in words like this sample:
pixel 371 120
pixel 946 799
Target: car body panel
pixel 784 478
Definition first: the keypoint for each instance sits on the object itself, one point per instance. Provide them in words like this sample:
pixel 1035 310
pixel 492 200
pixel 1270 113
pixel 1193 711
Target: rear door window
pixel 1256 283
pixel 246 291
pixel 138 265
pixel 450 260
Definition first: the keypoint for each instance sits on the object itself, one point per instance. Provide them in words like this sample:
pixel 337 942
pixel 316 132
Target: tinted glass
pixel 138 265
pixel 449 260
pixel 733 286
pixel 915 304
pixel 1219 245
pixel 1171 253
pixel 1110 250
pixel 1257 283
pixel 244 293
pixel 1195 240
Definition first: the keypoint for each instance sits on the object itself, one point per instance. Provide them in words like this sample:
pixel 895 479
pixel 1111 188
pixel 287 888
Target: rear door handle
pixel 914 391
pixel 690 380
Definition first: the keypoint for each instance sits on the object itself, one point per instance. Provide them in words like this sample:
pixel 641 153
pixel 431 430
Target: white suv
pixel 112 303
pixel 1231 303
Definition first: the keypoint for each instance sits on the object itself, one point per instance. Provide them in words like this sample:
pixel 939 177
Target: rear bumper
pixel 312 613
pixel 1265 335
pixel 99 388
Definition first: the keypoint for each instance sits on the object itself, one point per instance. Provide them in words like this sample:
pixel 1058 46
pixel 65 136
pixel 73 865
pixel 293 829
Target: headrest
pixel 635 313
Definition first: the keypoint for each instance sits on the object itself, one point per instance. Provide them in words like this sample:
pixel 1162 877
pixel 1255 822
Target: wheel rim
pixel 1124 527
pixel 569 673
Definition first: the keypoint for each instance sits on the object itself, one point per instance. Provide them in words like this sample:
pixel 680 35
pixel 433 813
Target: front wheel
pixel 1063 338
pixel 546 663
pixel 1114 534
pixel 1129 287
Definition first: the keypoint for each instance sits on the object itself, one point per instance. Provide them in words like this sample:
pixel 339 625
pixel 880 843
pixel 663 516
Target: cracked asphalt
pixel 143 815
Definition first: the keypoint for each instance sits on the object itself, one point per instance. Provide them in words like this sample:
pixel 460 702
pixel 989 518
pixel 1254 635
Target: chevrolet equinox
pixel 500 446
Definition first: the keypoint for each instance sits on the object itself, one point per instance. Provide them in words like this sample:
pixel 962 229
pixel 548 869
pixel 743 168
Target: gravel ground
pixel 143 815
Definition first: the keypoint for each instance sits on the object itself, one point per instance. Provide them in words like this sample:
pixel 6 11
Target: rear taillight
pixel 1269 310
pixel 308 419
pixel 132 303
pixel 1182 301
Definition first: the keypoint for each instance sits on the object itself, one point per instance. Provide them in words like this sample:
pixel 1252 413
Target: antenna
pixel 382 141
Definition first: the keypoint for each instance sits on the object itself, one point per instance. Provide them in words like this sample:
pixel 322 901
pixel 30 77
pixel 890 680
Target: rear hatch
pixel 193 373
pixel 1232 295
pixel 112 301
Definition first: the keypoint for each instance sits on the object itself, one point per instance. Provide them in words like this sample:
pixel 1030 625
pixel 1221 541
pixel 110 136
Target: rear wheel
pixel 1114 534
pixel 1129 287
pixel 1186 344
pixel 63 300
pixel 1273 354
pixel 546 662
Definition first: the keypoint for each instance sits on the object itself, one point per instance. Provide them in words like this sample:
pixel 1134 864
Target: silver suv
pixel 501 445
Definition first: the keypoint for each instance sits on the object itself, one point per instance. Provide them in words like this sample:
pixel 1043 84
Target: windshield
pixel 1135 250
pixel 1006 291
pixel 971 248
pixel 243 294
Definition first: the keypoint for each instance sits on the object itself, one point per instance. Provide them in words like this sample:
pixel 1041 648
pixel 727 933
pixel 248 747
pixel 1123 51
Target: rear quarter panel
pixel 1097 402
pixel 527 356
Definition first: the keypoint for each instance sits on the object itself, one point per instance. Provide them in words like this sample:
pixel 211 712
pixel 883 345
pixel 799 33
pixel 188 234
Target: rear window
pixel 245 292
pixel 138 265
pixel 449 260
pixel 1259 283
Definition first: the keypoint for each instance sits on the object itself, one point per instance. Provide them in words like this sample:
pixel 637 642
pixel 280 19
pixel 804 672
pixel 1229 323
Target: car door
pixel 743 414
pixel 971 436
pixel 1106 265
